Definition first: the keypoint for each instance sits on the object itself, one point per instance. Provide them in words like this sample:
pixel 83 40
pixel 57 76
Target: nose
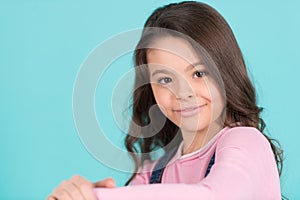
pixel 184 96
pixel 184 91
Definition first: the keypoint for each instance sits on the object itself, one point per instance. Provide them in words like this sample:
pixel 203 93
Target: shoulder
pixel 246 148
pixel 243 137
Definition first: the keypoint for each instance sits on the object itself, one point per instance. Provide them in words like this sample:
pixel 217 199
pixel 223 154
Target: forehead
pixel 171 51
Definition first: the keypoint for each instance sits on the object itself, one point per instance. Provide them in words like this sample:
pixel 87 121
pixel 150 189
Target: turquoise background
pixel 43 43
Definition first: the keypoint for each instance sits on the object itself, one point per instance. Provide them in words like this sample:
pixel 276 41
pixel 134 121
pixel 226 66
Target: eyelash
pixel 202 73
pixel 166 80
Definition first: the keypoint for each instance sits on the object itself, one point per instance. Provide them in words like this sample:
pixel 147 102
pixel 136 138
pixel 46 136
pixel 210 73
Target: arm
pixel 244 169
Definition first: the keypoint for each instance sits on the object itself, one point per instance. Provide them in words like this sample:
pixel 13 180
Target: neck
pixel 193 141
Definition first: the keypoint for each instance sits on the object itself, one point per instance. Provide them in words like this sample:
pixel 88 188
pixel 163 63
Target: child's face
pixel 182 88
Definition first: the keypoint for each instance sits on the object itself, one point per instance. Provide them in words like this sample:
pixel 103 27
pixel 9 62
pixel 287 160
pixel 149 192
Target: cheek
pixel 202 91
pixel 163 96
pixel 218 103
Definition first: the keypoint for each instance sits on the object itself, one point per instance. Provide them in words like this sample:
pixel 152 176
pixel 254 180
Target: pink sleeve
pixel 244 169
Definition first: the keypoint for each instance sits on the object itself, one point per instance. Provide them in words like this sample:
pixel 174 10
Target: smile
pixel 190 111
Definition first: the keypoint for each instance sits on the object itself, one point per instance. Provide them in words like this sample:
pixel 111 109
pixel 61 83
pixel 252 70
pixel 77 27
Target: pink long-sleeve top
pixel 244 169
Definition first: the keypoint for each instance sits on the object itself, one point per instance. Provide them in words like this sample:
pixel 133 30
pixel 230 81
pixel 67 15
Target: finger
pixel 61 194
pixel 84 186
pixel 81 180
pixel 51 198
pixel 73 191
pixel 109 183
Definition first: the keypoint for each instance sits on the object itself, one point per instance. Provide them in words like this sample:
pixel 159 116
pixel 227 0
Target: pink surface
pixel 244 169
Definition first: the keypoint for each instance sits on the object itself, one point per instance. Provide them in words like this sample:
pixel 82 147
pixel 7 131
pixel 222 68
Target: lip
pixel 190 111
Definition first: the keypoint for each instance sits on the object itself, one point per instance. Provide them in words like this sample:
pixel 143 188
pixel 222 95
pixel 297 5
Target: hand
pixel 79 188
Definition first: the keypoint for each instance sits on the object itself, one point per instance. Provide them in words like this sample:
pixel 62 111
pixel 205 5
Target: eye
pixel 199 74
pixel 165 80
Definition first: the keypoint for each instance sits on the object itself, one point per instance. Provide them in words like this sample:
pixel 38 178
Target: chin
pixel 192 127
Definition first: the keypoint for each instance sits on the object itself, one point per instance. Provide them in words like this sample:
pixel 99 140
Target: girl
pixel 189 64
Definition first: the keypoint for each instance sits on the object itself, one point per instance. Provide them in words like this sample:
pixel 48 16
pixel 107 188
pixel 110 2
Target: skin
pixel 180 82
pixel 79 188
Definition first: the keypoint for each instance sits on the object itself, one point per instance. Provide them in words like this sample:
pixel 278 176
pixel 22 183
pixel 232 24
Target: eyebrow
pixel 188 68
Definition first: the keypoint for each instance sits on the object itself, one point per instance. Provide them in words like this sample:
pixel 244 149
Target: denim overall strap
pixel 160 166
pixel 162 163
pixel 211 162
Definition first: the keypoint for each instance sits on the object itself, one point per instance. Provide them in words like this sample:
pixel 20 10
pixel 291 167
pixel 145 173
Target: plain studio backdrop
pixel 43 43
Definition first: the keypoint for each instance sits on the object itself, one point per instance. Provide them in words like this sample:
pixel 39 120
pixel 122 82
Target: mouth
pixel 190 111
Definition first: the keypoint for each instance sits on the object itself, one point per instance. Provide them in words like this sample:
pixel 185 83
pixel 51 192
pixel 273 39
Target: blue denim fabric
pixel 211 162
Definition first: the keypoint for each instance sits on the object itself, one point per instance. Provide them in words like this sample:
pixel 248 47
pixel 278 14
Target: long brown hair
pixel 208 28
